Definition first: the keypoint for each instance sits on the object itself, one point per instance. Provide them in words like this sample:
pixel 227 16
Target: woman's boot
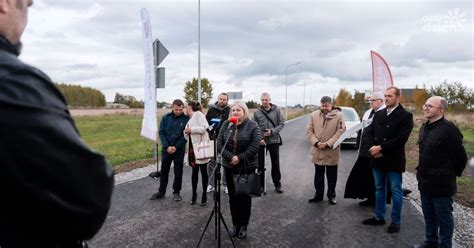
pixel 243 232
pixel 193 199
pixel 235 232
pixel 204 199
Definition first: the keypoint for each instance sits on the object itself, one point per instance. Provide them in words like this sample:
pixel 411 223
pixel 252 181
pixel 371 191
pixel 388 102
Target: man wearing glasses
pixel 442 157
pixel 360 183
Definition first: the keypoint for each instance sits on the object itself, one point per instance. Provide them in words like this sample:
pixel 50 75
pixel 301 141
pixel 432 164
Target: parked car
pixel 351 118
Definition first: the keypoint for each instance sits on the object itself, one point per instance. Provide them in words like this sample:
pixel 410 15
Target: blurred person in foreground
pixel 55 191
pixel 442 157
pixel 241 150
pixel 195 132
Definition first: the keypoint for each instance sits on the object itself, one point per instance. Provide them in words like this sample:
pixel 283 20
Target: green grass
pixel 118 138
pixel 468 134
pixel 115 136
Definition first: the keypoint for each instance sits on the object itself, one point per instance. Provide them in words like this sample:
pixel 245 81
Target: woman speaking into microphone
pixel 239 157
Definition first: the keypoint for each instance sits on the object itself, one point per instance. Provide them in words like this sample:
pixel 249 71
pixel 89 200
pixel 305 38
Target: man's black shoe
pixel 406 192
pixel 315 199
pixel 177 197
pixel 332 201
pixel 393 228
pixel 157 195
pixel 373 222
pixel 155 175
pixel 278 189
pixel 367 202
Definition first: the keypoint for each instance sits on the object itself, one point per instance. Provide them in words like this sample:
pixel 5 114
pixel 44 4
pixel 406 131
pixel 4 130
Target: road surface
pixel 277 220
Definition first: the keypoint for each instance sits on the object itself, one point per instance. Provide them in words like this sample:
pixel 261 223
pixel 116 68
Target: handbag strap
pixel 246 166
pixel 268 118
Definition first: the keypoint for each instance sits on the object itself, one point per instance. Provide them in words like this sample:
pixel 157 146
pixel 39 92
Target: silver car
pixel 351 118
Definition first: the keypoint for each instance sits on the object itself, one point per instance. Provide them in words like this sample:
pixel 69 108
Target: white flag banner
pixel 381 74
pixel 350 131
pixel 149 124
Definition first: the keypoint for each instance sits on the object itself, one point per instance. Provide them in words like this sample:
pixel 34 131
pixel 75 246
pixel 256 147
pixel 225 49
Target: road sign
pixel 160 77
pixel 235 95
pixel 159 51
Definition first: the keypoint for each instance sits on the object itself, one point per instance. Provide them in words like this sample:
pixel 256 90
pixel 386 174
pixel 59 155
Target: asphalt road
pixel 277 220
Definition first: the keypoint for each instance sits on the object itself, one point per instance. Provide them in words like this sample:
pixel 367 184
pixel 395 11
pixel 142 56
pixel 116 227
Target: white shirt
pixel 367 113
pixel 389 111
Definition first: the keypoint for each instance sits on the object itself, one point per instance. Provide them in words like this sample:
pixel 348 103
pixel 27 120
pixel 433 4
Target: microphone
pixel 215 123
pixel 232 121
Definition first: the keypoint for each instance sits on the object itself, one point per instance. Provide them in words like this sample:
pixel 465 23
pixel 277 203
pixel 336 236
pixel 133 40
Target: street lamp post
pixel 311 95
pixel 286 88
pixel 199 51
pixel 304 92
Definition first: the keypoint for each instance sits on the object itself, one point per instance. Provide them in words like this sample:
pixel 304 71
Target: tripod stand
pixel 216 210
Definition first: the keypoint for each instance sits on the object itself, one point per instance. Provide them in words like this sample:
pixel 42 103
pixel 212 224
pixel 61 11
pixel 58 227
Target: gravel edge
pixel 463 216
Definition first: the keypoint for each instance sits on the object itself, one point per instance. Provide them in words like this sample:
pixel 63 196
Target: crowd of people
pixel 243 147
pixel 375 177
pixel 71 187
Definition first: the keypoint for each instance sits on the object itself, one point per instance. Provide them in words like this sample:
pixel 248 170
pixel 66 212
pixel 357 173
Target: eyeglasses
pixel 373 100
pixel 429 106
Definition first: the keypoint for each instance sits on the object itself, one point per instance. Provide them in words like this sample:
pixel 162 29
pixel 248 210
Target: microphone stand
pixel 217 199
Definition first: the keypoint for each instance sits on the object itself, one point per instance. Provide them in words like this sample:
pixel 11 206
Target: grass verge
pixel 117 137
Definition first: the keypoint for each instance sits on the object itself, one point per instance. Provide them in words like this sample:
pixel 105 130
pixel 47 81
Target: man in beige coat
pixel 324 128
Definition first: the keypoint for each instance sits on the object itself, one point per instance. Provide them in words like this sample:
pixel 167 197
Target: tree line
pixel 82 97
pixel 459 97
pixel 130 101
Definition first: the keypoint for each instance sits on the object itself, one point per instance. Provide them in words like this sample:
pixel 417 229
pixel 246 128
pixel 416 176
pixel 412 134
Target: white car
pixel 351 118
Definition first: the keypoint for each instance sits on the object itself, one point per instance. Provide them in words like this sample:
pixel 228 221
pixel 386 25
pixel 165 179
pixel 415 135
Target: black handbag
pixel 247 184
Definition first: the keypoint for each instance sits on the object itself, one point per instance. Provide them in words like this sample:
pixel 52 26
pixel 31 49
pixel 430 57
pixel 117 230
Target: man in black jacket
pixel 219 110
pixel 173 149
pixel 387 137
pixel 55 191
pixel 442 157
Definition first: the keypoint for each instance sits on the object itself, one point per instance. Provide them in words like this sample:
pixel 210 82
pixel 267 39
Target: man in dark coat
pixel 55 191
pixel 442 157
pixel 388 135
pixel 219 110
pixel 173 149
pixel 360 183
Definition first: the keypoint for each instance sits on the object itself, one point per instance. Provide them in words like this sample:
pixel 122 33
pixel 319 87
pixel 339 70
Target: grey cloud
pixel 242 40
pixel 432 47
pixel 81 67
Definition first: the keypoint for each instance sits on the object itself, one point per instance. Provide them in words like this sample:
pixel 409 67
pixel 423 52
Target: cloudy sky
pixel 246 45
